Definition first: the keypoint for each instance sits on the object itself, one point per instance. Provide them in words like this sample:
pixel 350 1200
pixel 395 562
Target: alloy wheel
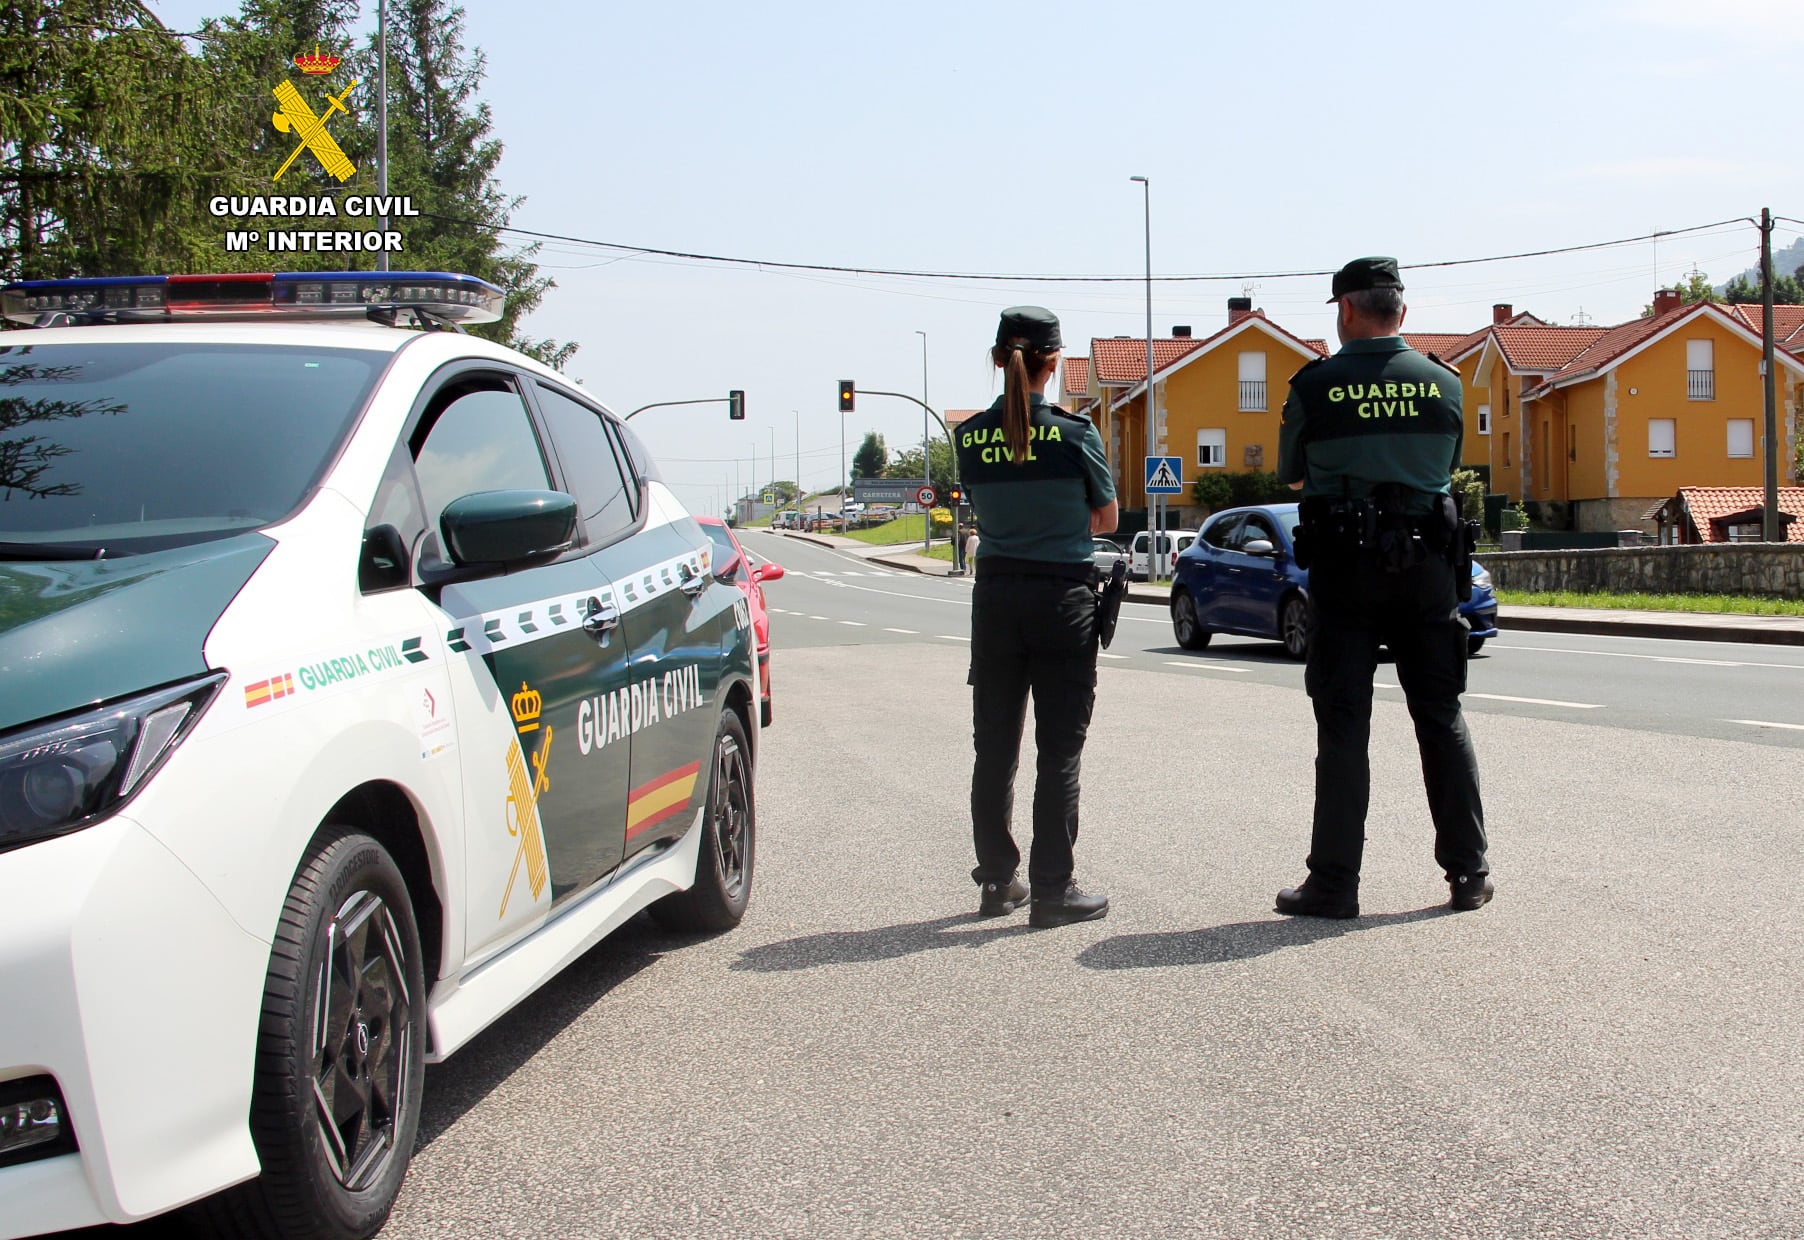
pixel 730 814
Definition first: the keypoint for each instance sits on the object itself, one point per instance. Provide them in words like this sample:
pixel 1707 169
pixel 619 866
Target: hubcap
pixel 362 1038
pixel 1186 618
pixel 1296 625
pixel 731 814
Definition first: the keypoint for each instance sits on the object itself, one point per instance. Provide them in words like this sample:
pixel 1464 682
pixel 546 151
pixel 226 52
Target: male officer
pixel 1371 436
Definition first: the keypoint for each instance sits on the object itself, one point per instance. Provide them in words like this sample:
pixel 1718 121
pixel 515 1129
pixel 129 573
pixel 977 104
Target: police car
pixel 357 680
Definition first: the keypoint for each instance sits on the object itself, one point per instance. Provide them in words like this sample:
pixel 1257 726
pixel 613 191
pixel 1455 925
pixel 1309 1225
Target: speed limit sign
pixel 925 497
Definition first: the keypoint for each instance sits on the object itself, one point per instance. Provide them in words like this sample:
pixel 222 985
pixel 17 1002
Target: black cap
pixel 1036 326
pixel 1365 273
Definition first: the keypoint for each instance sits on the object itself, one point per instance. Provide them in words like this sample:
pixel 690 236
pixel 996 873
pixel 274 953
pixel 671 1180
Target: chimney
pixel 1238 309
pixel 1502 312
pixel 1666 299
pixel 1180 332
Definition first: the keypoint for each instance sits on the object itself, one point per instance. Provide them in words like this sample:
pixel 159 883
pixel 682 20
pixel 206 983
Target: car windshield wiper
pixel 49 551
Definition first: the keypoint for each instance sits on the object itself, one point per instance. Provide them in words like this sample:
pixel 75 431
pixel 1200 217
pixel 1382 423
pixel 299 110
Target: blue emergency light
pixel 437 295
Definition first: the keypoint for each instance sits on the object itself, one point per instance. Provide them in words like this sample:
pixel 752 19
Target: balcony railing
pixel 1252 396
pixel 1700 384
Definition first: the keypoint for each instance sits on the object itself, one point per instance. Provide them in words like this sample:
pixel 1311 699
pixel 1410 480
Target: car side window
pixel 1258 527
pixel 481 439
pixel 397 521
pixel 1224 534
pixel 591 465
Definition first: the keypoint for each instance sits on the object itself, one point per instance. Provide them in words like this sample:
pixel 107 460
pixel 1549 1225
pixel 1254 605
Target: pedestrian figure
pixel 958 548
pixel 1371 437
pixel 971 547
pixel 1039 484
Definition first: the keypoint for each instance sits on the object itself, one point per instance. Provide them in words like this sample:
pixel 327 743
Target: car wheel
pixel 340 1052
pixel 1184 626
pixel 723 870
pixel 1474 645
pixel 1293 626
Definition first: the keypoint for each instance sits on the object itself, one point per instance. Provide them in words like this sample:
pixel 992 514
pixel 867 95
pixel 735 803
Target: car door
pixel 1264 579
pixel 1214 608
pixel 545 813
pixel 674 613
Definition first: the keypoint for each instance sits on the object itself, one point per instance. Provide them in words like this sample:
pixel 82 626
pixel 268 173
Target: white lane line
pixel 825 572
pixel 1208 667
pixel 817 617
pixel 910 632
pixel 1767 723
pixel 1503 697
pixel 1654 658
pixel 1377 684
pixel 954 637
pixel 1103 654
pixel 857 624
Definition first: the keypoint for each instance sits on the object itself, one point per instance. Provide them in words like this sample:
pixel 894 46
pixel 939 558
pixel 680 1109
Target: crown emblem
pixel 315 63
pixel 526 706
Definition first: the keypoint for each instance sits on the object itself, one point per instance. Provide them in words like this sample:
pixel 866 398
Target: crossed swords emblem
pixel 297 118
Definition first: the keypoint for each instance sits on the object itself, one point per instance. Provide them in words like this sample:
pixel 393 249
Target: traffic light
pixel 736 405
pixel 846 388
pixel 955 495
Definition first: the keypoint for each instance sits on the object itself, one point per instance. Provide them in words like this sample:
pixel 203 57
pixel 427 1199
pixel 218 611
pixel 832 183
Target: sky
pixel 987 138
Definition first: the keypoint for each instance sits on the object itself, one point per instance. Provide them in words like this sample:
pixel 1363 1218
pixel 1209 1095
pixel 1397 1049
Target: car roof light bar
pixel 435 296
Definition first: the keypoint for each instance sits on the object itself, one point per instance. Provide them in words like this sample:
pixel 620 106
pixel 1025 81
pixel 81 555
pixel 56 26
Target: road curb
pixel 1649 628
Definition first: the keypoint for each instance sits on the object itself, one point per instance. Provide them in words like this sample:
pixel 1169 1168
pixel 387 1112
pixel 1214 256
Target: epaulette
pixel 1438 360
pixel 1309 365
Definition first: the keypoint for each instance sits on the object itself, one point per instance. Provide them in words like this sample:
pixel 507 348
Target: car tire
pixel 1474 645
pixel 340 1068
pixel 1190 634
pixel 1293 626
pixel 723 868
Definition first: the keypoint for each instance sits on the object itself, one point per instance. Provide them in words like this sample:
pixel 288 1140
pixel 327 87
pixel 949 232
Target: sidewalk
pixel 1673 625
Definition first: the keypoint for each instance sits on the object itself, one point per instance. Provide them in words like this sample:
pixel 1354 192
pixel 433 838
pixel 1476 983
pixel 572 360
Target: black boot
pixel 1470 893
pixel 1066 905
pixel 1308 901
pixel 1002 898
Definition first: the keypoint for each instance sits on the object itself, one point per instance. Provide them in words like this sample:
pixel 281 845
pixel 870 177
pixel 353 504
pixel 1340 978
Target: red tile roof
pixel 1788 322
pixel 955 416
pixel 1320 346
pixel 1122 359
pixel 1076 378
pixel 1707 504
pixel 1438 343
pixel 1542 349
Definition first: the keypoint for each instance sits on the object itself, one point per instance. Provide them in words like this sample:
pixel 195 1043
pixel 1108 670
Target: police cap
pixel 1365 273
pixel 1036 326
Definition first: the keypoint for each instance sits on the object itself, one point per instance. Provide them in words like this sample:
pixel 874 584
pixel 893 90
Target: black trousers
pixel 1029 634
pixel 1416 614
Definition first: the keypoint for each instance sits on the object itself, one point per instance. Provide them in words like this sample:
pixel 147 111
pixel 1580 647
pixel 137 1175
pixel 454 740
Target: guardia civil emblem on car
pixel 358 679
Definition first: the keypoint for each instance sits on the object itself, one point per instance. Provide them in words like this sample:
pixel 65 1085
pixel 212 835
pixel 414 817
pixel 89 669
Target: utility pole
pixel 926 454
pixel 799 490
pixel 382 118
pixel 1770 530
pixel 1152 502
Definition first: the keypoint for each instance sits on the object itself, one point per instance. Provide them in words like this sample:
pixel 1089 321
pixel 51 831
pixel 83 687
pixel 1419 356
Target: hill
pixel 1785 262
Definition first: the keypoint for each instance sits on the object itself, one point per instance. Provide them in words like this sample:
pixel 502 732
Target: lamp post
pixel 799 491
pixel 382 118
pixel 926 447
pixel 1153 559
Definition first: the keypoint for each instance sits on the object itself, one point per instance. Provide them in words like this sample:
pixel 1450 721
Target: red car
pixel 729 555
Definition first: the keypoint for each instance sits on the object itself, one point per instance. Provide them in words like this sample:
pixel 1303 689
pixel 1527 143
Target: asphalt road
pixel 1610 1049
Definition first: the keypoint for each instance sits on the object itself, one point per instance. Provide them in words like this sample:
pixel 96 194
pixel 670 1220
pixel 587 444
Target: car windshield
pixel 138 447
pixel 724 550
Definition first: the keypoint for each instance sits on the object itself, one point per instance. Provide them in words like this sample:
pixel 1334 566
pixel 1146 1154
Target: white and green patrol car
pixel 353 682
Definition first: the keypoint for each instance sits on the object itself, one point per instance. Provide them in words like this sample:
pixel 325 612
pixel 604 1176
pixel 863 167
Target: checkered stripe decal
pixel 516 626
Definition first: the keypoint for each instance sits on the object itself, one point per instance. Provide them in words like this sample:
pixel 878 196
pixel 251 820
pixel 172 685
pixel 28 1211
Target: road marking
pixel 825 572
pixel 1767 723
pixel 857 624
pixel 1103 654
pixel 910 632
pixel 1502 697
pixel 1656 658
pixel 817 617
pixel 1207 667
pixel 954 637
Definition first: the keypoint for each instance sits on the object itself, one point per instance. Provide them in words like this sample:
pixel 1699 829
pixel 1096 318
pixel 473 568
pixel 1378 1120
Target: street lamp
pixel 926 446
pixel 1152 521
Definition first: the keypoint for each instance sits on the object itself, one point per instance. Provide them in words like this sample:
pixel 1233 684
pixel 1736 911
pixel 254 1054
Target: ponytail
pixel 1014 358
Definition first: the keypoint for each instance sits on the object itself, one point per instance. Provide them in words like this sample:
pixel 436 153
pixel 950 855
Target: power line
pixel 1236 277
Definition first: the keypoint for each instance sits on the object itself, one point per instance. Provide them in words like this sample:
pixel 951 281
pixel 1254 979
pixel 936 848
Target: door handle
pixel 690 582
pixel 601 621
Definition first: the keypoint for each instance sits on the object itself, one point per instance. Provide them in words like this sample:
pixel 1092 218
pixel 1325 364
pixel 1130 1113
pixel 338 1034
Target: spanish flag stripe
pixel 682 772
pixel 644 810
pixel 647 824
pixel 257 694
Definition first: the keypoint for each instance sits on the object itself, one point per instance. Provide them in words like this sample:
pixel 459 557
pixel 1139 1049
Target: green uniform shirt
pixel 1040 509
pixel 1376 412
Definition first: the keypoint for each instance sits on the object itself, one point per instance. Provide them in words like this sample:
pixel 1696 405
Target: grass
pixel 1721 604
pixel 891 533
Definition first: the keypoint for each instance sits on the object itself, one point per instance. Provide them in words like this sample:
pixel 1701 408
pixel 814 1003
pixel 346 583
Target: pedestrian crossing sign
pixel 1164 475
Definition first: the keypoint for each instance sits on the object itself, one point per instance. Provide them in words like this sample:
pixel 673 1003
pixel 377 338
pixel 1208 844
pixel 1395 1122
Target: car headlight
pixel 59 777
pixel 1481 579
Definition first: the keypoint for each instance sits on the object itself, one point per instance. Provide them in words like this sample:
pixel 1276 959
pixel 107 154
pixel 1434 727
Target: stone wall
pixel 1765 569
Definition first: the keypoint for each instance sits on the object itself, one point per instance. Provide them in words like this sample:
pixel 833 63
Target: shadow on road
pixel 1242 940
pixel 868 946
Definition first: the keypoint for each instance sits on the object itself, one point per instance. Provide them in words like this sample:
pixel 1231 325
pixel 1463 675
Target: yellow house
pixel 1517 353
pixel 1116 385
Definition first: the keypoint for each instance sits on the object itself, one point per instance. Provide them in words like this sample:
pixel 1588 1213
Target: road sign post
pixel 1164 476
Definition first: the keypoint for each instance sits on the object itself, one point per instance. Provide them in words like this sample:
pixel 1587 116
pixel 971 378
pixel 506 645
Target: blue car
pixel 1241 576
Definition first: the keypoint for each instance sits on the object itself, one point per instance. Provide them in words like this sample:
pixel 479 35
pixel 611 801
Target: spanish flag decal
pixel 667 795
pixel 269 690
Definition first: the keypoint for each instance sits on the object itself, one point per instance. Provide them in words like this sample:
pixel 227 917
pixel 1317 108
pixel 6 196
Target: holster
pixel 1109 593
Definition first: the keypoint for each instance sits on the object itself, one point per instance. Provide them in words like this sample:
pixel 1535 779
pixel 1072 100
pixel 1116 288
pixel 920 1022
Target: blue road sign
pixel 1164 475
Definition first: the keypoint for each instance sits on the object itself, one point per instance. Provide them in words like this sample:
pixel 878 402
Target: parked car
pixel 358 679
pixel 731 563
pixel 1171 544
pixel 1241 576
pixel 1104 552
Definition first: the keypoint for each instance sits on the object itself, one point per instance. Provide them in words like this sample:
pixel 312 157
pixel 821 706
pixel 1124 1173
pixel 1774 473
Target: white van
pixel 1170 543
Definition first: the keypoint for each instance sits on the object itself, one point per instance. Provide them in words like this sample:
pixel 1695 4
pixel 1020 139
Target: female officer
pixel 1039 484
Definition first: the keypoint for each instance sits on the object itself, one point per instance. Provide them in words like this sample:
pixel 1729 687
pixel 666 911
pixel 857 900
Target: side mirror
pixel 767 572
pixel 724 570
pixel 506 527
pixel 1259 546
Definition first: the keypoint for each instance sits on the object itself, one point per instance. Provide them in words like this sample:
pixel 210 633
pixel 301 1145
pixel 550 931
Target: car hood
pixel 77 632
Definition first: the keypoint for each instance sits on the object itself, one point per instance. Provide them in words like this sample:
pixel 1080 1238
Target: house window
pixel 1252 383
pixel 1700 370
pixel 1660 437
pixel 1741 437
pixel 1506 447
pixel 1211 449
pixel 1484 419
pixel 1745 532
